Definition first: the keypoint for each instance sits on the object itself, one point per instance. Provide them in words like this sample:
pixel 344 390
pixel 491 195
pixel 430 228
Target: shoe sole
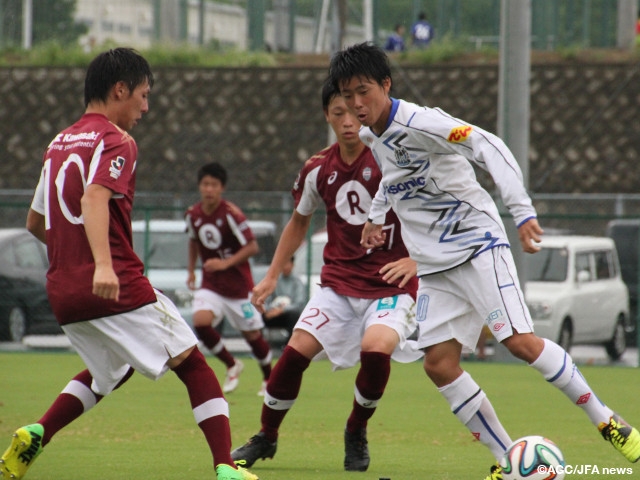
pixel 10 463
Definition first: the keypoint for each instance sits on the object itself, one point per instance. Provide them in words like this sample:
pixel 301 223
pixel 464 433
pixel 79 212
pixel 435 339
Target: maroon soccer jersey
pixel 91 151
pixel 347 191
pixel 220 235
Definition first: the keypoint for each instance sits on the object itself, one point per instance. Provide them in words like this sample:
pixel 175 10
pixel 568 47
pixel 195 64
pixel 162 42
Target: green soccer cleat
pixel 25 447
pixel 622 436
pixel 227 472
pixel 496 472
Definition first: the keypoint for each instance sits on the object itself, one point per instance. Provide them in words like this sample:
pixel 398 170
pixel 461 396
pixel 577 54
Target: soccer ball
pixel 533 458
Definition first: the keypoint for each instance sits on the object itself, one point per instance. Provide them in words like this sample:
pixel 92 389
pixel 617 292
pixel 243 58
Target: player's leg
pixel 75 399
pixel 558 368
pixel 450 324
pixel 204 321
pixel 262 353
pixel 551 360
pixel 281 393
pixel 243 316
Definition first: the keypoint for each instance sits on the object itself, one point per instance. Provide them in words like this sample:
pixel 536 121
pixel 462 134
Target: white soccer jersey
pixel 447 216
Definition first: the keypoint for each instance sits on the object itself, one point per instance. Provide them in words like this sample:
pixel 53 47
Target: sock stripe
pixel 560 372
pixel 463 404
pixel 275 404
pixel 364 402
pixel 490 430
pixel 211 408
pixel 82 393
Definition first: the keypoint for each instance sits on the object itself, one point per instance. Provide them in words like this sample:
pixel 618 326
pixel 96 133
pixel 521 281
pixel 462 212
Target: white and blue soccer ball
pixel 533 458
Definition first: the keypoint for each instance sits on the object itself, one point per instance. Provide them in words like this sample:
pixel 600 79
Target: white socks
pixel 557 367
pixel 472 407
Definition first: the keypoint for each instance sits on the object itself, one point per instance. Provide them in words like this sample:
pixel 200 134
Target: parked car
pixel 625 234
pixel 309 261
pixel 163 247
pixel 576 294
pixel 24 305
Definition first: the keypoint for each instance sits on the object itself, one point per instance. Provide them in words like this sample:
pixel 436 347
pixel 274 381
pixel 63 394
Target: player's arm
pixel 372 234
pixel 95 212
pixel 192 258
pixel 292 237
pixel 36 225
pixel 242 255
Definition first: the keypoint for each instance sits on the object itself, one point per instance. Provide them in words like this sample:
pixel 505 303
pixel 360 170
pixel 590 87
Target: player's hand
pixel 530 235
pixel 372 235
pixel 191 281
pixel 106 284
pixel 261 292
pixel 214 265
pixel 404 270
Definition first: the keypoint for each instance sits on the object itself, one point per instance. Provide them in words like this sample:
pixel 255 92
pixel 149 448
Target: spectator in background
pixel 287 301
pixel 395 42
pixel 421 32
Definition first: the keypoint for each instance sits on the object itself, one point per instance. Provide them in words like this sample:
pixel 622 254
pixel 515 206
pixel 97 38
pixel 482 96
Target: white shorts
pixel 458 302
pixel 339 322
pixel 144 339
pixel 240 313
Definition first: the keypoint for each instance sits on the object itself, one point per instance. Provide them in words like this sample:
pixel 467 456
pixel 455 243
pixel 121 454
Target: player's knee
pixel 526 346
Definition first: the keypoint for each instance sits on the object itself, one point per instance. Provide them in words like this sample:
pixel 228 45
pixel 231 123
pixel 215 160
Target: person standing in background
pixel 220 236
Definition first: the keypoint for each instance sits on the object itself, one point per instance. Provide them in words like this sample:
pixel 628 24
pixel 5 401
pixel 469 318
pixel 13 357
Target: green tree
pixel 52 21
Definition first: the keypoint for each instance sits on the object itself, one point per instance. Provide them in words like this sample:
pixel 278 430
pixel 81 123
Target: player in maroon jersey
pixel 364 310
pixel 113 317
pixel 220 236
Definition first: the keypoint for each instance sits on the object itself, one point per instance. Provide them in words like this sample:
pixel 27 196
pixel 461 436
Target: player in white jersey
pixel 113 317
pixel 364 310
pixel 453 231
pixel 220 236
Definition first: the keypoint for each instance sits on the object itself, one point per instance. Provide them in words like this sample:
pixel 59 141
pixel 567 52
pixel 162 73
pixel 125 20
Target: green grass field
pixel 146 429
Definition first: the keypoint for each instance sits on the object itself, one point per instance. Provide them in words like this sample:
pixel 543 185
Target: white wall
pixel 131 23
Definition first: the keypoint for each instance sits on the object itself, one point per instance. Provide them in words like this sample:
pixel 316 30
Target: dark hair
pixel 214 170
pixel 365 60
pixel 329 91
pixel 116 65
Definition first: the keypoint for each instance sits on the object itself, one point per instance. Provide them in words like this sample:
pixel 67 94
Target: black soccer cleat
pixel 257 447
pixel 356 451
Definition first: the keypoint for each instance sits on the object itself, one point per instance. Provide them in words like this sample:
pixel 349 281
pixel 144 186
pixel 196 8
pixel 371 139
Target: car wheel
pixel 618 343
pixel 17 324
pixel 566 335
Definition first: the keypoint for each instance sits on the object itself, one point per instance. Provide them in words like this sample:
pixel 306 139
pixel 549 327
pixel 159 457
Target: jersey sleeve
pixel 188 220
pixel 37 204
pixel 487 151
pixel 238 224
pixel 113 162
pixel 305 191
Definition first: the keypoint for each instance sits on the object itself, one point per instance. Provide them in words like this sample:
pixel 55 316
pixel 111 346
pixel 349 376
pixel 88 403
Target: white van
pixel 575 293
pixel 163 247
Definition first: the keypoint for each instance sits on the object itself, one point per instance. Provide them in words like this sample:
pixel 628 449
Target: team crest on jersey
pixel 459 134
pixel 402 157
pixel 366 173
pixel 115 170
pixel 387 303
